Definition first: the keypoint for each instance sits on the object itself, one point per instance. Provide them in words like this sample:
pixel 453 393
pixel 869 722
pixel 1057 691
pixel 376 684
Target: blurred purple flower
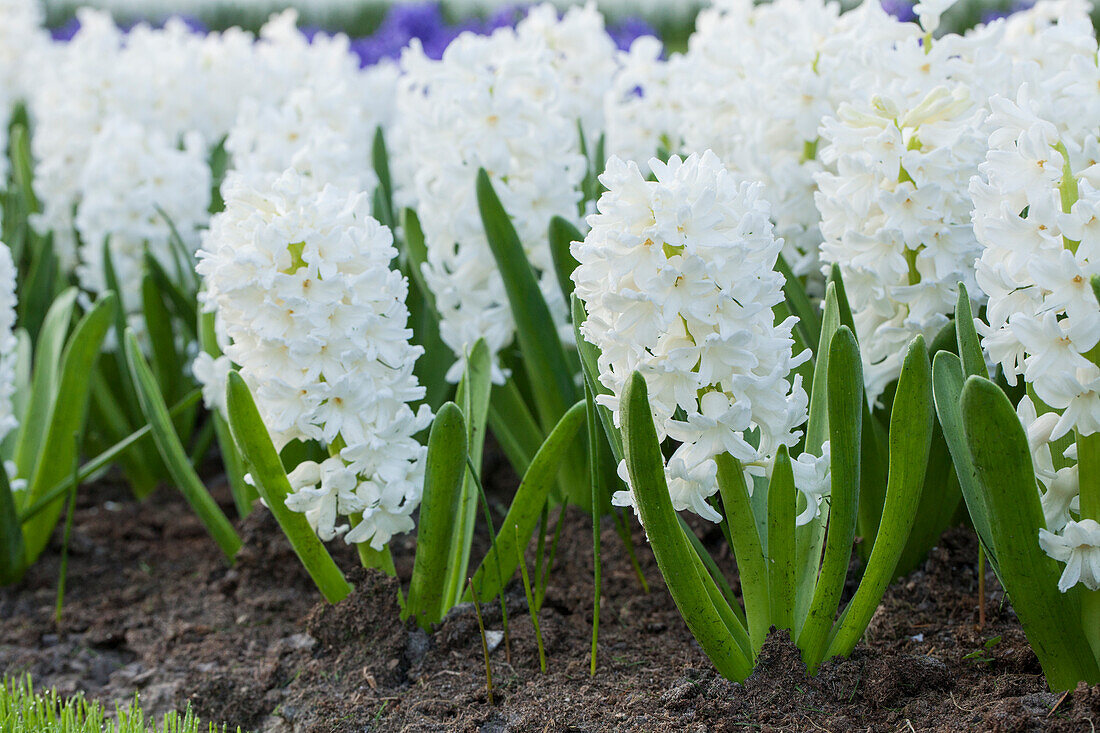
pixel 900 9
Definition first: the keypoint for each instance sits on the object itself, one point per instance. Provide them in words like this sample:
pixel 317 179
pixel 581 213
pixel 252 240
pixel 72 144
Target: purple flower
pixel 900 9
pixel 628 30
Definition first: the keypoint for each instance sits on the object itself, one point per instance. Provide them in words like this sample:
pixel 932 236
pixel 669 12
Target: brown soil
pixel 152 609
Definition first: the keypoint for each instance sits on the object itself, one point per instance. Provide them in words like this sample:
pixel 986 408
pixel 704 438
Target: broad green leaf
pixel 947 386
pixel 66 420
pixel 543 355
pixel 911 426
pixel 175 457
pixel 782 499
pixel 1051 620
pixel 473 401
pixel 752 567
pixel 47 371
pixel 675 557
pixel 444 469
pixel 273 485
pixel 432 367
pixel 845 382
pixel 562 236
pixel 501 561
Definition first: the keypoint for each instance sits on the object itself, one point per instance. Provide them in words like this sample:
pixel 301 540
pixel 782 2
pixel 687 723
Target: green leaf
pixel 473 400
pixel 751 565
pixel 911 424
pixel 845 383
pixel 11 536
pixel 1051 620
pixel 380 161
pixel 530 498
pixel 844 310
pixel 947 387
pixel 445 467
pixel 22 168
pixel 175 457
pixel 590 356
pixel 970 349
pixel 810 537
pixel 544 357
pixel 782 499
pixel 66 419
pixel 562 236
pixel 98 465
pixel 47 368
pixel 273 485
pixel 809 318
pixel 677 560
pixel 162 341
pixel 515 429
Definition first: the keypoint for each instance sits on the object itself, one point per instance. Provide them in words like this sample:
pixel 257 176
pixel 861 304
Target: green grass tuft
pixel 22 710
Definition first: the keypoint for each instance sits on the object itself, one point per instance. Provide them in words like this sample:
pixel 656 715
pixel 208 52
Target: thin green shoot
pixel 67 535
pixel 545 581
pixel 493 546
pixel 484 642
pixel 597 506
pixel 532 609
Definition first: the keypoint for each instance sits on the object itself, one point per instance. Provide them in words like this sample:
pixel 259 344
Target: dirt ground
pixel 151 608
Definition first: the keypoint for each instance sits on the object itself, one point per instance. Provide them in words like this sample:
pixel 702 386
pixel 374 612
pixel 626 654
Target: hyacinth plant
pixel 1025 446
pixel 687 344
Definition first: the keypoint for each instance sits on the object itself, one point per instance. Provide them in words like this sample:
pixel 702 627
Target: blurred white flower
pixel 500 103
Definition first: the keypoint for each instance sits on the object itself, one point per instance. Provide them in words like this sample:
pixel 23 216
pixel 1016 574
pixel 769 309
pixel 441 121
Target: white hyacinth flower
pixel 677 277
pixel 316 320
pixel 1078 546
pixel 500 103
